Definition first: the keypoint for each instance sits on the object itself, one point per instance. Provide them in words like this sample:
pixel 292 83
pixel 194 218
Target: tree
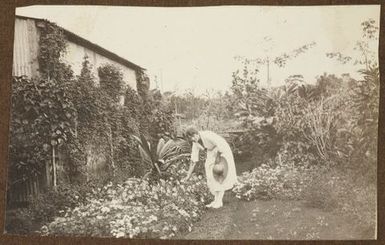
pixel 250 99
pixel 279 60
pixel 364 48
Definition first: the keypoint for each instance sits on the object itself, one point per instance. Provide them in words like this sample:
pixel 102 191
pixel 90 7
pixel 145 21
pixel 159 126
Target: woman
pixel 214 144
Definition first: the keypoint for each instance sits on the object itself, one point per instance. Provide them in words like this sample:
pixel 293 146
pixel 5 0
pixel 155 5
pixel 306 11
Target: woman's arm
pixel 216 150
pixel 194 159
pixel 190 171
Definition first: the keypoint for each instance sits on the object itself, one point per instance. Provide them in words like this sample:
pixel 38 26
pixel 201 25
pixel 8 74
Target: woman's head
pixel 192 134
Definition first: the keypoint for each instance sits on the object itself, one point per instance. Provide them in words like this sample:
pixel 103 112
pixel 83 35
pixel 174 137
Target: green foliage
pixel 358 136
pixel 78 117
pixel 111 81
pixel 52 45
pixel 282 181
pixel 20 221
pixel 157 117
pixel 107 126
pixel 103 124
pixel 43 208
pixel 251 100
pixel 254 107
pixel 209 111
pixel 327 138
pixel 43 116
pixel 136 209
pixel 159 159
pixel 363 50
pixel 142 85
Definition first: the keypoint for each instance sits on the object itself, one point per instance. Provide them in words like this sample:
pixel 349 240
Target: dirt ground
pixel 276 220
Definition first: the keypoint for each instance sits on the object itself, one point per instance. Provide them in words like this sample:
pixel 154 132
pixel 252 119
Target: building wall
pixel 75 56
pixel 25 48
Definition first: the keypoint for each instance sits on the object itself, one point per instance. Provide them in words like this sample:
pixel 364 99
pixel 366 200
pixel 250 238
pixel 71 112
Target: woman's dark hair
pixel 191 131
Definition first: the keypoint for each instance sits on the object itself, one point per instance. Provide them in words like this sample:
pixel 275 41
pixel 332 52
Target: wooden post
pixel 268 71
pixel 47 174
pixel 110 139
pixel 54 168
pixel 36 186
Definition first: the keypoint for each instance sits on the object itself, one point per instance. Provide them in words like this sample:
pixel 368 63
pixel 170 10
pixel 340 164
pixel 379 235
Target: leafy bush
pixel 111 81
pixel 137 209
pixel 43 208
pixel 20 221
pixel 43 116
pixel 267 182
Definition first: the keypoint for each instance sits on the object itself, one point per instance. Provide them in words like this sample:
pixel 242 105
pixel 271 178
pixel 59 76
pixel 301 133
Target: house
pixel 26 49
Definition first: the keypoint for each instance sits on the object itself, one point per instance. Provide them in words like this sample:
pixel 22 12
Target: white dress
pixel 210 141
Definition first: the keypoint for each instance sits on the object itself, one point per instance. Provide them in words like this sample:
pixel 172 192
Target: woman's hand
pixel 217 151
pixel 189 172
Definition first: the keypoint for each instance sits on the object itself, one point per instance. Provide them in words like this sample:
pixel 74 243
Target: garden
pixel 314 144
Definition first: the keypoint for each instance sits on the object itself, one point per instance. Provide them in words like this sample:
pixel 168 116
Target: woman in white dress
pixel 214 144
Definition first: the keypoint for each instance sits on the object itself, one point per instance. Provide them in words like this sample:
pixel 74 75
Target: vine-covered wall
pixel 71 129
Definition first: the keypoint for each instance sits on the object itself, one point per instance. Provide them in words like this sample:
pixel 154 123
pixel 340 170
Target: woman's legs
pixel 218 199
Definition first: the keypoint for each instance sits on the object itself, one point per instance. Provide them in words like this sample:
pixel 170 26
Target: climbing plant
pixel 78 116
pixel 52 46
pixel 43 117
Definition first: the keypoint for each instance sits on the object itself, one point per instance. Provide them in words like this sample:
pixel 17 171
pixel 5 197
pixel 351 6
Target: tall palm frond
pixel 166 152
pixel 144 150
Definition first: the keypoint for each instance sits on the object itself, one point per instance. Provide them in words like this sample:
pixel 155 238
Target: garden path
pixel 273 219
pixel 264 220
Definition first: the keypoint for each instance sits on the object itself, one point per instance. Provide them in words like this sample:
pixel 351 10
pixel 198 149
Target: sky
pixel 194 47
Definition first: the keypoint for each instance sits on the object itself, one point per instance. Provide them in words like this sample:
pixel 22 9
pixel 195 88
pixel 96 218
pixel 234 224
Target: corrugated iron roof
pixel 92 46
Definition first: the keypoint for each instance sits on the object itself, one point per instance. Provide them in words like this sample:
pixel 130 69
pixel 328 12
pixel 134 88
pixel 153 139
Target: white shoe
pixel 217 205
pixel 210 205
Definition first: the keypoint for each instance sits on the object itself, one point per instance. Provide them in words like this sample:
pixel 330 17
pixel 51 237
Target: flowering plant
pixel 137 209
pixel 279 182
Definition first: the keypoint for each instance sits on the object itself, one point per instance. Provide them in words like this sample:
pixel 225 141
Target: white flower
pixel 183 212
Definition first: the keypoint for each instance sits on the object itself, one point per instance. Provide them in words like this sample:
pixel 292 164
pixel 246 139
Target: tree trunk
pixel 268 72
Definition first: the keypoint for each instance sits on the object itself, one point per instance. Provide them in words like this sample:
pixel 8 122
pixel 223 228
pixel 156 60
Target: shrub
pixel 19 221
pixel 267 182
pixel 44 208
pixel 137 209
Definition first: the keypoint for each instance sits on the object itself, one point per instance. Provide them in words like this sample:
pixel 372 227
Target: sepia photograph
pixel 194 123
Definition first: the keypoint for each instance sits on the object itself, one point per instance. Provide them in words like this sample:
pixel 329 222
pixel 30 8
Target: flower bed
pixel 265 182
pixel 136 209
